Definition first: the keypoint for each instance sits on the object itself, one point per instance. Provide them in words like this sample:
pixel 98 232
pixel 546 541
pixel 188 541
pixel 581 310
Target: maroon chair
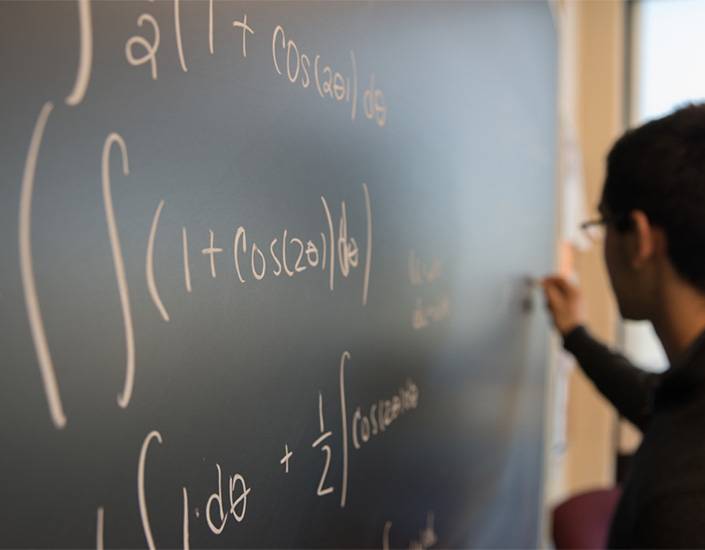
pixel 583 521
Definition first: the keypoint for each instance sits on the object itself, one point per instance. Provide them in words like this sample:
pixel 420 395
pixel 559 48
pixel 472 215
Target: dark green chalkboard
pixel 278 228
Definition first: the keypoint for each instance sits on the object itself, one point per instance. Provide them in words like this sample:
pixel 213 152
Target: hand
pixel 565 303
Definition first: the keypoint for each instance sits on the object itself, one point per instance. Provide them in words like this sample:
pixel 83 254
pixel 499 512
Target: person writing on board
pixel 653 213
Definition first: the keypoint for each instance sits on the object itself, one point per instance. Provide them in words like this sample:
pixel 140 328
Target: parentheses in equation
pixel 187 265
pixel 34 312
pixel 344 424
pixel 177 31
pixel 318 78
pixel 149 264
pixel 357 416
pixel 385 535
pixel 85 59
pixel 211 47
pixel 99 529
pixel 118 261
pixel 277 30
pixel 288 271
pixel 240 233
pixel 331 247
pixel 368 252
pixel 185 535
pixel 142 499
pixel 324 246
pixel 353 61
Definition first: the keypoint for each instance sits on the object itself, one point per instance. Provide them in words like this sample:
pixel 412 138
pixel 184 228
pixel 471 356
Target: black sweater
pixel 663 500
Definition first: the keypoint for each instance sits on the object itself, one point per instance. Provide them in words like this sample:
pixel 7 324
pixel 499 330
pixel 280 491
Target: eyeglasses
pixel 594 230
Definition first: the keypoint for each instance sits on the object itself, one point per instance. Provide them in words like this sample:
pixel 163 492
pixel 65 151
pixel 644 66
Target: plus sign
pixel 245 29
pixel 212 251
pixel 285 459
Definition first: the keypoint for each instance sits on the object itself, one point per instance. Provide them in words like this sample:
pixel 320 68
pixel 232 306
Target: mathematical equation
pixel 230 497
pixel 288 59
pixel 244 257
pixel 282 255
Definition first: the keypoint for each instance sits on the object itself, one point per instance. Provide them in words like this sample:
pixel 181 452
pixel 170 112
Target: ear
pixel 646 239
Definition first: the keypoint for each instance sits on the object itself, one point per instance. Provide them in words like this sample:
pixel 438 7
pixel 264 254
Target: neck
pixel 680 320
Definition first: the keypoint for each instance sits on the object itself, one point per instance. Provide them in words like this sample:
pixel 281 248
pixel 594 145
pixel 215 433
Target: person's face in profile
pixel 630 274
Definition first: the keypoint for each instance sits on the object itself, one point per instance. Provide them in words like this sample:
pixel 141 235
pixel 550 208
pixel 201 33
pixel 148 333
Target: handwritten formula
pixel 233 489
pixel 342 256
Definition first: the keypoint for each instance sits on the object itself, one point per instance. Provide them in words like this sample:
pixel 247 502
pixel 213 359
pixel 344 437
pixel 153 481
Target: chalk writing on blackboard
pixel 139 51
pixel 286 458
pixel 237 502
pixel 426 539
pixel 323 489
pixel 142 499
pixel 149 264
pixel 307 69
pixel 150 48
pixel 232 491
pixel 85 60
pixel 337 251
pixel 376 418
pixel 177 32
pixel 425 276
pixel 118 260
pixel 29 286
pixel 185 256
pixel 333 250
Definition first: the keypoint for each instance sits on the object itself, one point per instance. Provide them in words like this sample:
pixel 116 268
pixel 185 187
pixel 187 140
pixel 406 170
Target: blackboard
pixel 262 272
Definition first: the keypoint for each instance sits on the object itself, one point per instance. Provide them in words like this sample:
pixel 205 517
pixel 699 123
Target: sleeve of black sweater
pixel 672 521
pixel 629 388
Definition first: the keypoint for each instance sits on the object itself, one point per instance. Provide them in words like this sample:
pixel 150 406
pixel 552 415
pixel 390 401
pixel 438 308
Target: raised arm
pixel 627 387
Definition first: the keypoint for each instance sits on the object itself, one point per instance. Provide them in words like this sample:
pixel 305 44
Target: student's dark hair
pixel 659 168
